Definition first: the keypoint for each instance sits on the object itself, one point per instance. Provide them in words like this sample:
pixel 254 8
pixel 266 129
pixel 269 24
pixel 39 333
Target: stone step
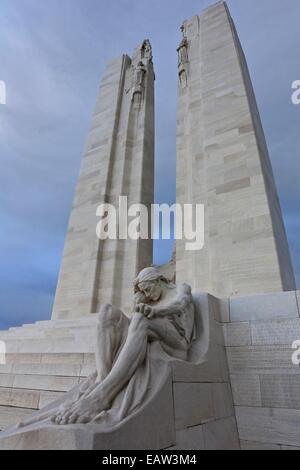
pixel 36 333
pixel 82 344
pixel 63 370
pixel 38 358
pixel 88 321
pixel 32 399
pixel 53 383
pixel 11 415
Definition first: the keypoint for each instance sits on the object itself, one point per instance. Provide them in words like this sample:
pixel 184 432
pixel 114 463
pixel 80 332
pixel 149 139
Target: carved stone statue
pixel 139 79
pixel 182 52
pixel 146 51
pixel 183 59
pixel 140 73
pixel 163 314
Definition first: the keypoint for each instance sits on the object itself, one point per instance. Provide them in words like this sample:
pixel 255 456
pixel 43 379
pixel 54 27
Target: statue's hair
pixel 148 275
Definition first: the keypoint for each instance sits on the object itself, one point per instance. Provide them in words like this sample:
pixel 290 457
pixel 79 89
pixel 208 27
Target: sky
pixel 52 56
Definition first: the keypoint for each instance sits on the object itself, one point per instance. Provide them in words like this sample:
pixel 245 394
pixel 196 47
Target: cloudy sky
pixel 52 56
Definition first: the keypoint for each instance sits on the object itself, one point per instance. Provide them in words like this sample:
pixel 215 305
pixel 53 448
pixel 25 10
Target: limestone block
pixel 237 334
pixel 246 389
pixel 19 398
pixel 263 307
pixel 6 380
pixel 280 391
pixel 193 404
pixel 44 382
pixel 248 445
pixel 62 358
pixel 89 358
pixel 221 435
pixel 87 369
pixel 58 346
pixel 64 370
pixel 212 369
pixel 48 397
pixel 6 368
pixel 275 332
pixel 261 360
pixel 275 426
pixel 289 448
pixel 23 358
pixel 222 400
pixel 220 309
pixel 189 439
pixel 11 415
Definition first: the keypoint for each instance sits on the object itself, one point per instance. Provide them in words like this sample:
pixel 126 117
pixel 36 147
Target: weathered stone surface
pixel 246 390
pixel 271 425
pixel 222 400
pixel 289 448
pixel 237 334
pixel 280 391
pixel 275 332
pixel 48 397
pixel 39 382
pixel 6 380
pixel 19 398
pixel 248 445
pixel 264 307
pixel 10 415
pixel 221 435
pixel 189 439
pixel 220 309
pixel 261 360
pixel 64 370
pixel 193 404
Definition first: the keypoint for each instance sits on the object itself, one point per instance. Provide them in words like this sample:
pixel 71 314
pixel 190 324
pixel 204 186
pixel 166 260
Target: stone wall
pixel 203 404
pixel 266 385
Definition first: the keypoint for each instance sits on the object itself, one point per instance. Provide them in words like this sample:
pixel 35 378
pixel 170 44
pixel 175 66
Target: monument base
pixel 153 428
pixel 192 408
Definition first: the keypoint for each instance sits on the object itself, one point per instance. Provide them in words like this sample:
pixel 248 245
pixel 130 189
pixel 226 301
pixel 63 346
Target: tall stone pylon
pixel 223 163
pixel 118 161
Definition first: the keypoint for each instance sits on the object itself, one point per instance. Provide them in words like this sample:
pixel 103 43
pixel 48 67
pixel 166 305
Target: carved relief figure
pixel 146 51
pixel 182 52
pixel 163 315
pixel 139 80
pixel 183 59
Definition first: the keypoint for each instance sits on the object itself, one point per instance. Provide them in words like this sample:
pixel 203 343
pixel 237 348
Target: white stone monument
pixel 168 367
pixel 118 161
pixel 223 163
